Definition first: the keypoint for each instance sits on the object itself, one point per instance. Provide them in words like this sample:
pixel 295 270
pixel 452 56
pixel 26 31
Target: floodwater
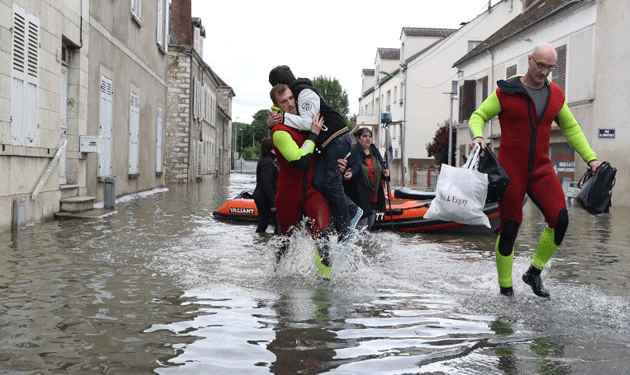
pixel 162 287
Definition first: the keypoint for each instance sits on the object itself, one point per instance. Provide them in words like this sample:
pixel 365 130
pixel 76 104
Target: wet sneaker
pixel 355 219
pixel 533 279
pixel 507 291
pixel 323 265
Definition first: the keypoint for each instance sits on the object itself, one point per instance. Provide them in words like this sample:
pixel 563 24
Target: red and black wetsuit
pixel 523 153
pixel 294 150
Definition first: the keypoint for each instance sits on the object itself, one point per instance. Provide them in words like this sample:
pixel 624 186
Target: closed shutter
pixel 159 22
pixel 560 73
pixel 32 77
pixel 134 122
pixel 159 140
pixel 105 128
pixel 136 6
pixel 167 18
pixel 199 158
pixel 25 76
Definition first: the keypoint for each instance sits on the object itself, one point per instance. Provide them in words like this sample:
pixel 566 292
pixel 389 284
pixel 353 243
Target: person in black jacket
pixel 333 141
pixel 266 186
pixel 364 183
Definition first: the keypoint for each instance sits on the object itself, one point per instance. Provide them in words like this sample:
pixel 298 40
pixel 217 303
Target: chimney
pixel 181 22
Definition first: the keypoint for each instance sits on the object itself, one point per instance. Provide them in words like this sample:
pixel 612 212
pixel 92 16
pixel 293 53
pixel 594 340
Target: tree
pixel 330 89
pixel 248 136
pixel 439 147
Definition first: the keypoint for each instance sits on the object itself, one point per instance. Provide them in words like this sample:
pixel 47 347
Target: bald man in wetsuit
pixel 527 105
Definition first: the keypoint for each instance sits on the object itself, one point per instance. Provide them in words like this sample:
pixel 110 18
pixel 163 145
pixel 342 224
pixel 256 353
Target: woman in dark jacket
pixel 365 187
pixel 266 186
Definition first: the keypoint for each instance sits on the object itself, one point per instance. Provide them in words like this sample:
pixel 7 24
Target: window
pixel 559 74
pixel 136 9
pixel 25 77
pixel 472 44
pixel 134 126
pixel 483 84
pixel 163 11
pixel 510 71
pixel 198 41
pixel 467 100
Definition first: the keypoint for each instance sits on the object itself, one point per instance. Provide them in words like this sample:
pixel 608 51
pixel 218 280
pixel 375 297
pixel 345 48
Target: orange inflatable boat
pixel 405 215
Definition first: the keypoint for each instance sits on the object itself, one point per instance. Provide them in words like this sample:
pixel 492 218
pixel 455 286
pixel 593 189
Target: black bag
pixel 498 180
pixel 596 194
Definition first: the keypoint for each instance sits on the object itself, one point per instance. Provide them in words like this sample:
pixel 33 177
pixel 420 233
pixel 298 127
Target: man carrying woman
pixel 296 193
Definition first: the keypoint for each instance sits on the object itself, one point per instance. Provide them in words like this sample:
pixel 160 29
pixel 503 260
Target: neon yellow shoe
pixel 323 270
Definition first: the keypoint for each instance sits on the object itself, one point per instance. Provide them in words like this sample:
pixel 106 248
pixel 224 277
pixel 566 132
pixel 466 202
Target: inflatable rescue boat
pixel 405 215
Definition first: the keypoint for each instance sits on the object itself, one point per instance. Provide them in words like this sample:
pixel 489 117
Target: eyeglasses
pixel 542 66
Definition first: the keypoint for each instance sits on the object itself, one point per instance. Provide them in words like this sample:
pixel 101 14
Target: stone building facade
pixel 198 126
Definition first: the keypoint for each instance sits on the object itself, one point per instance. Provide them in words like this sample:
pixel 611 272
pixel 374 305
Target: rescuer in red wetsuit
pixel 527 105
pixel 296 193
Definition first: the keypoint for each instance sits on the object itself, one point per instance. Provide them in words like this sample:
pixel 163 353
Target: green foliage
pixel 330 89
pixel 352 122
pixel 248 136
pixel 439 147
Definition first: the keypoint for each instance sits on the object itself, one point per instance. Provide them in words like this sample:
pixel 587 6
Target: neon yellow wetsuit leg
pixel 504 266
pixel 546 248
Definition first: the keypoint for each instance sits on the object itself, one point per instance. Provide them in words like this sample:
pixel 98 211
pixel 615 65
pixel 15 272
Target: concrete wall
pixel 611 108
pixel 21 167
pixel 126 51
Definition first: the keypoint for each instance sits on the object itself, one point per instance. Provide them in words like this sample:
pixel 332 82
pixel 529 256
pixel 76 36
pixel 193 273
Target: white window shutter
pixel 136 6
pixel 19 76
pixel 159 140
pixel 32 79
pixel 25 77
pixel 199 158
pixel 134 122
pixel 159 22
pixel 105 128
pixel 167 18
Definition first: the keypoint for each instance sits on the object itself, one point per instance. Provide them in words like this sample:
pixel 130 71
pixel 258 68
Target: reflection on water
pixel 162 287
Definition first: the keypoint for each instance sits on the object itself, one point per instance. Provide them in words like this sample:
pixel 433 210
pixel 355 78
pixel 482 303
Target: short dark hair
pixel 281 74
pixel 360 132
pixel 277 90
pixel 266 146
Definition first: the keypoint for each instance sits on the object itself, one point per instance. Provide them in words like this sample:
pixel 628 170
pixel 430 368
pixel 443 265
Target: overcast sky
pixel 335 38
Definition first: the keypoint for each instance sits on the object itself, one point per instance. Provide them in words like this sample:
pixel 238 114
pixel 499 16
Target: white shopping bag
pixel 461 193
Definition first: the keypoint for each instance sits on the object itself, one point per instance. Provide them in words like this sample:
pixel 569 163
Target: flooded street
pixel 161 287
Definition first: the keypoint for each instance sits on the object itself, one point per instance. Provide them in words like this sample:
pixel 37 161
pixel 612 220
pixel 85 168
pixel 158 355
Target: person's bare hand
pixel 347 175
pixel 318 122
pixel 386 172
pixel 481 141
pixel 594 164
pixel 342 164
pixel 275 117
